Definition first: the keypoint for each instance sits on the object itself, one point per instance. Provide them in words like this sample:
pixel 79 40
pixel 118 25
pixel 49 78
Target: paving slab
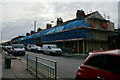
pixel 20 70
pixel 17 71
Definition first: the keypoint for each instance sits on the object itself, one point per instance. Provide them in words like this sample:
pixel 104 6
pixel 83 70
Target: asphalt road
pixel 66 65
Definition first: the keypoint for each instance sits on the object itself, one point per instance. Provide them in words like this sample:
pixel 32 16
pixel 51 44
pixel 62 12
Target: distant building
pixel 114 40
pixel 80 35
pixel 13 41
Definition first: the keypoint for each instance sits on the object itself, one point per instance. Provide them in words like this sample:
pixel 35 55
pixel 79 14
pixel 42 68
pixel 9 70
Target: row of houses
pixel 80 35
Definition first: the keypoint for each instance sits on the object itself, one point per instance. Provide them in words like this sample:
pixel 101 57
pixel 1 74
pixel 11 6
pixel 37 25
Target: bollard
pixel 27 61
pixel 36 66
pixel 7 63
pixel 55 70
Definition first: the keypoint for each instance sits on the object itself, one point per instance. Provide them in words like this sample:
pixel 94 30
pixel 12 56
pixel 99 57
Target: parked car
pixel 51 49
pixel 100 65
pixel 18 49
pixel 30 47
pixel 37 49
pixel 7 48
pixel 1 47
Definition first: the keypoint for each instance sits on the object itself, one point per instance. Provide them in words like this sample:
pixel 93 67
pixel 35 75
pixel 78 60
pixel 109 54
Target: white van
pixel 51 49
pixel 18 49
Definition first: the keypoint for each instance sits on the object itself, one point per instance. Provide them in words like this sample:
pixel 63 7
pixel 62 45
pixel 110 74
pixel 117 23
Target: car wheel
pixel 60 54
pixel 51 53
pixel 43 52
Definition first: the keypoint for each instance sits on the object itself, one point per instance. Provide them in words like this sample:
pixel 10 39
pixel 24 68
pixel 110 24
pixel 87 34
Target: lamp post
pixel 1 41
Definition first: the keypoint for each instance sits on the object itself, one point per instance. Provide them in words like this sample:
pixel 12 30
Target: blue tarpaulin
pixel 73 24
pixel 72 34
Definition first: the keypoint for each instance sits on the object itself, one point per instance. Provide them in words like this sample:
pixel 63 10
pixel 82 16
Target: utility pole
pixel 34 32
pixel 1 36
pixel 34 26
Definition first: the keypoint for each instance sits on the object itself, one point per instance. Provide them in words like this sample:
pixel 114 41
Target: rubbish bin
pixel 7 63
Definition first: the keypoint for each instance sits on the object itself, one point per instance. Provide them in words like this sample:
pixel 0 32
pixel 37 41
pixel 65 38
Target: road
pixel 66 65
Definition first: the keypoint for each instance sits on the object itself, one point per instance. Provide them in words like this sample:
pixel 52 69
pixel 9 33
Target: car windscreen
pixel 18 46
pixel 53 46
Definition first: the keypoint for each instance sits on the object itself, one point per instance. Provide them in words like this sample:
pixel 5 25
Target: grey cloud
pixel 20 27
pixel 119 14
pixel 46 12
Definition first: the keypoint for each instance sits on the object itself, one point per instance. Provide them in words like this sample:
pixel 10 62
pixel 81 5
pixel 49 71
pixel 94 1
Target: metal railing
pixel 42 67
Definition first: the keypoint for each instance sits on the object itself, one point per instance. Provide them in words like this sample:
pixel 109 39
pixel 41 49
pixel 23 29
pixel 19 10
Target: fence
pixel 42 67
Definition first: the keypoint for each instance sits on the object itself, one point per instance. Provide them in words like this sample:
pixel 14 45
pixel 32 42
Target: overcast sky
pixel 17 17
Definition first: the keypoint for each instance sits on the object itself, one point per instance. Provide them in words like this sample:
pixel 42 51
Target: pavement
pixel 18 68
pixel 17 71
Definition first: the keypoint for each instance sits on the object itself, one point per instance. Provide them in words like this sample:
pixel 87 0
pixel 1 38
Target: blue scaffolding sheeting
pixel 72 34
pixel 28 41
pixel 27 37
pixel 73 24
pixel 77 23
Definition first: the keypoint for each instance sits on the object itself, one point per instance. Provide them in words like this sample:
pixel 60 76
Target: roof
pixel 80 18
pixel 71 25
pixel 95 18
pixel 91 14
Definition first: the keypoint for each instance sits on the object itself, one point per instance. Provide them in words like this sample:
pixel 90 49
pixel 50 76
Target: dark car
pixel 100 65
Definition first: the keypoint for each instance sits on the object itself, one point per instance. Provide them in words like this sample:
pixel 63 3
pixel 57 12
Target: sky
pixel 17 17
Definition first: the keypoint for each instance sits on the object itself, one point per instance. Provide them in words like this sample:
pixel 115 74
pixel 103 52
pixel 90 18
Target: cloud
pixel 119 14
pixel 18 17
pixel 60 0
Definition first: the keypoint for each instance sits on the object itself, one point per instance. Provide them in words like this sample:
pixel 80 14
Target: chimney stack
pixel 59 21
pixel 27 34
pixel 48 26
pixel 32 32
pixel 80 13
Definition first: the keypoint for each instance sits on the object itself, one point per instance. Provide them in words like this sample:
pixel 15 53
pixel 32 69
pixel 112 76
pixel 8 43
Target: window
pixel 96 61
pixel 112 64
pixel 108 63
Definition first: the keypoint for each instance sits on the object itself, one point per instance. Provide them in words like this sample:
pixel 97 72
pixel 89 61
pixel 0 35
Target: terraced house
pixel 79 36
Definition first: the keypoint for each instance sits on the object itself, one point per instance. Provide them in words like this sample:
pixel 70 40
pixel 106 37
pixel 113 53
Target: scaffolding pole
pixel 78 46
pixel 83 47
